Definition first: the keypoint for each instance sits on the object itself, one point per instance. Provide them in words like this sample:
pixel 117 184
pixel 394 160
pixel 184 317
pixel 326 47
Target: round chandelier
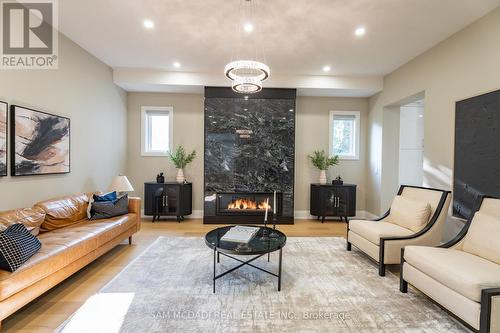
pixel 247 75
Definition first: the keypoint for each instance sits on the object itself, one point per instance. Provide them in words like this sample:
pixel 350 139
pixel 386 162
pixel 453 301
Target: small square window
pixel 344 134
pixel 157 128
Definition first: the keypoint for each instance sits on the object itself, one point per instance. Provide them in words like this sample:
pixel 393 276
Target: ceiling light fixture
pixel 360 31
pixel 247 75
pixel 148 24
pixel 326 68
pixel 248 27
pixel 177 64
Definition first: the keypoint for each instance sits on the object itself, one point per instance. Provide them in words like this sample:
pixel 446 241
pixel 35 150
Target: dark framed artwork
pixel 40 142
pixel 477 152
pixel 3 139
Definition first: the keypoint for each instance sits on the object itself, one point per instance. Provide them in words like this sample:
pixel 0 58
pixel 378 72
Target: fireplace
pixel 249 153
pixel 237 204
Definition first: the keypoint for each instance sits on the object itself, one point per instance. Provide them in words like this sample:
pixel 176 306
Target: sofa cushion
pixel 482 237
pixel 31 218
pixel 374 230
pixel 63 212
pixel 408 213
pixel 60 248
pixel 463 272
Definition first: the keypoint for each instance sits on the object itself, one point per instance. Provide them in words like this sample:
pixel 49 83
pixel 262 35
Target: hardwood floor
pixel 51 309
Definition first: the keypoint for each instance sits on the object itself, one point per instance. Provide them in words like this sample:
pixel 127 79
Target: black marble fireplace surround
pixel 249 154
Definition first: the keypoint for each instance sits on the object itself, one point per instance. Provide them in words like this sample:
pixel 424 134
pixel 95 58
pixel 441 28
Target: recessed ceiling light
pixel 246 97
pixel 248 27
pixel 148 24
pixel 177 64
pixel 360 31
pixel 326 68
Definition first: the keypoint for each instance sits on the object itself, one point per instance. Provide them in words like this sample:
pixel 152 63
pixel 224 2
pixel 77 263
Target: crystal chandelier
pixel 247 75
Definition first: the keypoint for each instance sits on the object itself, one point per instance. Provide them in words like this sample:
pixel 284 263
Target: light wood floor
pixel 51 309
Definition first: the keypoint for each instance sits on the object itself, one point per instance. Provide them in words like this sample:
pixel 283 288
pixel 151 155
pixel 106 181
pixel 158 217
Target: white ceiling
pixel 297 37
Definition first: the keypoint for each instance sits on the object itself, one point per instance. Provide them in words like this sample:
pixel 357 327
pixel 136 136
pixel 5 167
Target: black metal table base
pixel 248 263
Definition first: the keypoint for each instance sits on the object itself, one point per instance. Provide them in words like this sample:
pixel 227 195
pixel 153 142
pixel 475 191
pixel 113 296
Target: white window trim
pixel 144 110
pixel 357 133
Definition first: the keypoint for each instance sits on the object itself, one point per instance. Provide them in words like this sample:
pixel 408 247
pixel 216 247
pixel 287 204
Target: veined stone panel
pixel 249 145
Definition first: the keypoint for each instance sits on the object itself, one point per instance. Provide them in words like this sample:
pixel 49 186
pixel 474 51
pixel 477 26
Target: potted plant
pixel 323 162
pixel 180 159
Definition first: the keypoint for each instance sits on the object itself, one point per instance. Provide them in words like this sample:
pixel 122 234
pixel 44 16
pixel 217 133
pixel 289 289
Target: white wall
pixel 83 90
pixel 464 65
pixel 311 134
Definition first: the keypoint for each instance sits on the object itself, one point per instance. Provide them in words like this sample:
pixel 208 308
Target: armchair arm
pixel 490 310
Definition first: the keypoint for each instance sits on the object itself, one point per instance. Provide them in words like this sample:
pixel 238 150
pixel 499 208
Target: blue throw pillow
pixel 111 196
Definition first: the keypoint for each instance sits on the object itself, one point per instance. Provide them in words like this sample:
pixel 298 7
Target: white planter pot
pixel 180 176
pixel 322 177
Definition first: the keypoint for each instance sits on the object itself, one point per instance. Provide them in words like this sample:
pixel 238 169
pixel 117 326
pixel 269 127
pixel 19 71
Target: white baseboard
pixel 299 215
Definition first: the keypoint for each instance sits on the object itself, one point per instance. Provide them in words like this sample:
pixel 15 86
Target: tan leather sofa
pixel 462 275
pixel 382 239
pixel 69 242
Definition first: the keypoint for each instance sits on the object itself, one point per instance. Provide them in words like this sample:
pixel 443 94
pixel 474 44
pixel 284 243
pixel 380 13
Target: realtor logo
pixel 29 36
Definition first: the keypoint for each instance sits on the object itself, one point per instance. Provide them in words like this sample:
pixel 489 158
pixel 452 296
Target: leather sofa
pixel 69 242
pixel 382 239
pixel 462 275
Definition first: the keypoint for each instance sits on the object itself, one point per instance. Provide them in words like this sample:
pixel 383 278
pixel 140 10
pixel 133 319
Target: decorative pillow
pixel 107 209
pixel 31 218
pixel 17 245
pixel 409 214
pixel 482 237
pixel 110 196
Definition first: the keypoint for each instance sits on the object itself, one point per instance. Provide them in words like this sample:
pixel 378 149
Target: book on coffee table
pixel 240 234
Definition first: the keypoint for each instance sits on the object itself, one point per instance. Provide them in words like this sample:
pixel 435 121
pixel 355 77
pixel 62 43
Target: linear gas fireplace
pixel 249 153
pixel 237 204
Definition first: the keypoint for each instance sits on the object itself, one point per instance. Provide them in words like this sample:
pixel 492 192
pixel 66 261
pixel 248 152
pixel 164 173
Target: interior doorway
pixel 411 143
pixel 402 146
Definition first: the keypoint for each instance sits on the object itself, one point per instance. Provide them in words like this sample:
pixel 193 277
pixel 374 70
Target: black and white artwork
pixel 3 139
pixel 40 141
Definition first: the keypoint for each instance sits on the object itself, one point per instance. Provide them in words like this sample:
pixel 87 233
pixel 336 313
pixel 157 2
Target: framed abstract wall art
pixel 40 142
pixel 3 139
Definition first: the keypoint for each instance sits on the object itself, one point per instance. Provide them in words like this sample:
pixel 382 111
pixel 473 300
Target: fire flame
pixel 248 204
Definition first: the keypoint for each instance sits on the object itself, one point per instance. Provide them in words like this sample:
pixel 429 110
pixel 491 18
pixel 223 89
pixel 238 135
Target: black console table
pixel 168 199
pixel 333 200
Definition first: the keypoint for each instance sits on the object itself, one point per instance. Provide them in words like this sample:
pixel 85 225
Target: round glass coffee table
pixel 266 240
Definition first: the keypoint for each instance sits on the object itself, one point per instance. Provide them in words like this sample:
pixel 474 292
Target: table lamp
pixel 121 184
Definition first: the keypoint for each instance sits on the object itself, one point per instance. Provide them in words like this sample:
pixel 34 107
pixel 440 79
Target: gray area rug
pixel 324 289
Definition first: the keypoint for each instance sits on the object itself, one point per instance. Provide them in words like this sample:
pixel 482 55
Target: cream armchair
pixel 382 239
pixel 462 275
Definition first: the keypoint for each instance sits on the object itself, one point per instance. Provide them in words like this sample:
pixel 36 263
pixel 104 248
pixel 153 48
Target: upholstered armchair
pixel 462 275
pixel 416 217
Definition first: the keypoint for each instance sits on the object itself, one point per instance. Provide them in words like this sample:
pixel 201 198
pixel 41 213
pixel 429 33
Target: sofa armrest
pixel 134 205
pixel 490 310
